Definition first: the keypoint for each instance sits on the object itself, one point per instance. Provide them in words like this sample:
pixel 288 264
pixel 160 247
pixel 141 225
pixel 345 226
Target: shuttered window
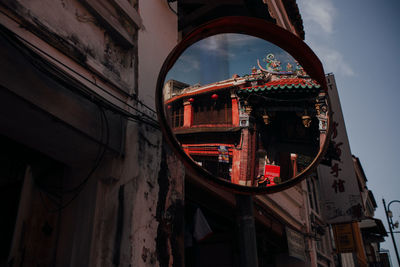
pixel 212 111
pixel 175 114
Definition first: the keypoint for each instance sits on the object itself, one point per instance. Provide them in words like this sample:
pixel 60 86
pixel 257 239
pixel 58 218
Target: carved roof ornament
pixel 273 66
pixel 272 63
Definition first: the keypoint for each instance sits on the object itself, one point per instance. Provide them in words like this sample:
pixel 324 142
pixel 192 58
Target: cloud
pixel 319 23
pixel 319 12
pixel 333 61
pixel 217 45
pixel 236 39
pixel 187 63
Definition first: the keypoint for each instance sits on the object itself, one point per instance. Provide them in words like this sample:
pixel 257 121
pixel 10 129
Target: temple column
pixel 235 109
pixel 187 114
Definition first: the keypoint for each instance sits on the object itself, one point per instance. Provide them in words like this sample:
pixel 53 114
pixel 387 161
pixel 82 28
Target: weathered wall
pixel 139 209
pixel 80 33
pixel 130 209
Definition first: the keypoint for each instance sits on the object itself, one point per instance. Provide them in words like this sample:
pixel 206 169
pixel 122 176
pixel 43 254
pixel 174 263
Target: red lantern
pixel 191 100
pixel 169 106
pixel 214 96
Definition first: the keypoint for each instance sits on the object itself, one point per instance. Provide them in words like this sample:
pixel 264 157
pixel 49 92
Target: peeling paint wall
pixel 151 178
pixel 69 26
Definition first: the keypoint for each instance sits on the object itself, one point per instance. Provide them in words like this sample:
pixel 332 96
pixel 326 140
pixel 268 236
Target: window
pixel 212 111
pixel 313 196
pixel 175 114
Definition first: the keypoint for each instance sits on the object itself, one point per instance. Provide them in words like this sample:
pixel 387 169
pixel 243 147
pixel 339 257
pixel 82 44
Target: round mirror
pixel 241 110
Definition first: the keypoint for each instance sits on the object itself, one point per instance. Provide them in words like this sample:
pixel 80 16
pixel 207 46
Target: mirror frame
pixel 268 32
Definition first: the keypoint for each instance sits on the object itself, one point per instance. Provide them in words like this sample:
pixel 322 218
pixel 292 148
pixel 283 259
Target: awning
pixel 373 230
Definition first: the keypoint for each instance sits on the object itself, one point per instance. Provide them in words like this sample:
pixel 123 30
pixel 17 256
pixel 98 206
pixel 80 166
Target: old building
pixel 347 202
pixel 81 145
pixel 220 126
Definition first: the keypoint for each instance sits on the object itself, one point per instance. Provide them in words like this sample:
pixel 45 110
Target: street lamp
pixel 392 226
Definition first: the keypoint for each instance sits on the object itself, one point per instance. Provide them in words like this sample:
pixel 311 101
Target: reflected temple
pixel 259 129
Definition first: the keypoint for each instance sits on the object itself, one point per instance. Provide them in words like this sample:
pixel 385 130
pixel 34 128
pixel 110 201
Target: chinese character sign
pixel 341 196
pixel 271 173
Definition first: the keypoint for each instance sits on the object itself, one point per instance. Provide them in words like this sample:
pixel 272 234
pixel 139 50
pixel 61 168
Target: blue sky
pixel 218 57
pixel 359 41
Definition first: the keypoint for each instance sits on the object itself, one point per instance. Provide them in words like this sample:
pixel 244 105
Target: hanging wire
pixel 79 188
pixel 143 117
pixel 55 194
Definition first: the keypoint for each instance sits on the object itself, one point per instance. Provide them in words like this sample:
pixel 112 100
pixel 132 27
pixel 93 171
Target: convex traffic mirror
pixel 245 105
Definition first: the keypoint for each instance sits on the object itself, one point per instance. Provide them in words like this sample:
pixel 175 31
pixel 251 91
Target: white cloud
pixel 217 45
pixel 236 39
pixel 319 20
pixel 319 12
pixel 187 63
pixel 333 61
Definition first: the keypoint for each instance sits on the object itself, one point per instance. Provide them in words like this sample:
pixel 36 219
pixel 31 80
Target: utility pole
pixel 389 216
pixel 247 231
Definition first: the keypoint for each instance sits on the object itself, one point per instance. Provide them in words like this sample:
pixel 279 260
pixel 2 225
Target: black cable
pixel 80 187
pixel 80 75
pixel 38 62
pixel 77 189
pixel 55 72
pixel 93 83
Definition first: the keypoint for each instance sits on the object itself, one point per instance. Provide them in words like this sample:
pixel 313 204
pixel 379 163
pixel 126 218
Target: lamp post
pixel 389 217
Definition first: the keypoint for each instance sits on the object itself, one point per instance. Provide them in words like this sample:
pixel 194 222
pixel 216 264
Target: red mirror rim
pixel 268 32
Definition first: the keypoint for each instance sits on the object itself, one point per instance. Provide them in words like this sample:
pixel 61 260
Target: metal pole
pixel 391 232
pixel 247 231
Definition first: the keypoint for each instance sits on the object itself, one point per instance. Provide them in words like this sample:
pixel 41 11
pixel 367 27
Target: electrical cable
pixel 79 188
pixel 83 77
pixel 53 194
pixel 100 153
pixel 63 78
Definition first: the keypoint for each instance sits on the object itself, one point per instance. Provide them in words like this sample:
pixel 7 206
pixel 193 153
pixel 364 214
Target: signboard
pixel 295 244
pixel 223 154
pixel 344 238
pixel 271 172
pixel 341 199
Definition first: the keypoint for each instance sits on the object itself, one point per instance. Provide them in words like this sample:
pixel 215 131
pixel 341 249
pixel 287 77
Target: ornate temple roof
pixel 286 84
pixel 271 79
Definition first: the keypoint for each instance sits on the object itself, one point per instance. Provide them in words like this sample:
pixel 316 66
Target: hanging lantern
pixel 214 97
pixel 247 108
pixel 266 119
pixel 191 100
pixel 306 121
pixel 169 106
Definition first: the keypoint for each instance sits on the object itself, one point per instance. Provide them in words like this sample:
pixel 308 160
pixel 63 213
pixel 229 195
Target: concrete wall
pixel 86 32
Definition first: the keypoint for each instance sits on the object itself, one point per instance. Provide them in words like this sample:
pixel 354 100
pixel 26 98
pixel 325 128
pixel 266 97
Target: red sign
pixel 272 171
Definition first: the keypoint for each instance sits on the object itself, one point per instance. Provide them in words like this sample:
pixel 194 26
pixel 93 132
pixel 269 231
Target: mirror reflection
pixel 245 110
